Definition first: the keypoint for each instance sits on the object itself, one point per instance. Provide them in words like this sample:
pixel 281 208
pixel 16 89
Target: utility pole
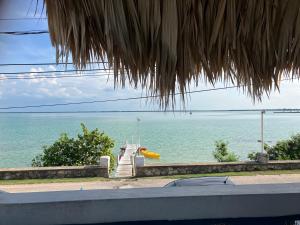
pixel 138 128
pixel 262 130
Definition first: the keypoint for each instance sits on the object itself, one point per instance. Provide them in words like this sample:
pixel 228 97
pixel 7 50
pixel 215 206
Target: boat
pixel 148 154
pixel 151 155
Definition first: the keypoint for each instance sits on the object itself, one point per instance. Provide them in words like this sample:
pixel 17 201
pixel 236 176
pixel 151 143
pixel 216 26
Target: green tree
pixel 222 154
pixel 86 149
pixel 283 150
pixel 253 155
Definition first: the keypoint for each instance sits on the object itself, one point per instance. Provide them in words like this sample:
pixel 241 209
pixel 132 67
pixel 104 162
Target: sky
pixel 38 49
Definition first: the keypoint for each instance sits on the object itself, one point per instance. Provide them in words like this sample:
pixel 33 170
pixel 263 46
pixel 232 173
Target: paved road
pixel 266 179
pixel 140 183
pixel 112 184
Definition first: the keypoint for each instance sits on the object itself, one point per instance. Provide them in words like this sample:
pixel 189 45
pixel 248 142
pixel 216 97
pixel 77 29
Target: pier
pixel 125 164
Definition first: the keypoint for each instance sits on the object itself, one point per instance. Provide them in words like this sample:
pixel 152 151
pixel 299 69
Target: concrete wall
pixel 53 172
pixel 125 205
pixel 178 169
pixel 143 171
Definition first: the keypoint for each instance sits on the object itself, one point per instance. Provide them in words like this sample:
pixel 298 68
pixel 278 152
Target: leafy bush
pixel 222 154
pixel 283 150
pixel 86 149
pixel 253 155
pixel 286 149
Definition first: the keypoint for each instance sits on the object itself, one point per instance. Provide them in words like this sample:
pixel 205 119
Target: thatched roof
pixel 164 43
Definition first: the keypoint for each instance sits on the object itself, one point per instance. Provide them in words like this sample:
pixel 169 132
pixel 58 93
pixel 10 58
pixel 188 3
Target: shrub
pixel 286 149
pixel 86 149
pixel 253 155
pixel 283 150
pixel 222 154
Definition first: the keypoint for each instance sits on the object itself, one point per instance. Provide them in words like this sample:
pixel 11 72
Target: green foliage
pixel 86 149
pixel 283 150
pixel 222 154
pixel 253 155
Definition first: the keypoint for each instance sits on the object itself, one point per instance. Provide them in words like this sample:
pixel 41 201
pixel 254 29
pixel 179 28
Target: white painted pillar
pixel 139 161
pixel 105 163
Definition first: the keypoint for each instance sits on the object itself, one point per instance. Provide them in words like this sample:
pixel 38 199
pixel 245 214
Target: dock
pixel 125 166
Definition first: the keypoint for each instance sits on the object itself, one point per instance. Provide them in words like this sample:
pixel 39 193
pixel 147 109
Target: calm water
pixel 178 137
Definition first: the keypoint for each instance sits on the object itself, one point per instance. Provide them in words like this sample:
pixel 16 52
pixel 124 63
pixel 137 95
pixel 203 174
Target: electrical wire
pixel 111 100
pixel 23 32
pixel 122 99
pixel 55 77
pixel 23 18
pixel 46 64
pixel 52 71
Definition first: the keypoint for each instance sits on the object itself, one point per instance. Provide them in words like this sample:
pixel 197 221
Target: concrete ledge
pixel 53 172
pixel 125 205
pixel 198 168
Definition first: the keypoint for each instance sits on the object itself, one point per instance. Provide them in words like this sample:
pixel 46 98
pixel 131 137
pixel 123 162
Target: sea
pixel 179 137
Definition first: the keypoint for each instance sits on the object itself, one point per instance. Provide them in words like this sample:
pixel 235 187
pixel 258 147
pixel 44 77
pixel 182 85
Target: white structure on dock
pixel 125 161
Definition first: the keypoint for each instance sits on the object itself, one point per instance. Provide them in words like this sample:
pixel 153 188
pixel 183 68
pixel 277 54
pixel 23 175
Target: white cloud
pixel 51 67
pixel 54 89
pixel 41 86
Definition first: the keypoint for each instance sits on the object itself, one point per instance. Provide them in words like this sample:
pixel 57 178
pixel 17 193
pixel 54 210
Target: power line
pixel 111 100
pixel 47 63
pixel 24 32
pixel 237 111
pixel 122 99
pixel 24 18
pixel 55 77
pixel 52 71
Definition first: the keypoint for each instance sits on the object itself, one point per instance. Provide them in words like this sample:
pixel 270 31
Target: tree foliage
pixel 222 154
pixel 283 150
pixel 86 149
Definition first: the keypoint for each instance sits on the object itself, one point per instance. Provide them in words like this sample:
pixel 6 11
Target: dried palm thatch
pixel 167 44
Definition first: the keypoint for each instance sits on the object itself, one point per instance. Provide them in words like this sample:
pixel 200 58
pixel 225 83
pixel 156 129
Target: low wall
pixel 53 172
pixel 200 168
pixel 150 204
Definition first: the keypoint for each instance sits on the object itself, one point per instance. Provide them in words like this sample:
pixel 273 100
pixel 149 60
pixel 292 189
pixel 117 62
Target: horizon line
pixel 164 111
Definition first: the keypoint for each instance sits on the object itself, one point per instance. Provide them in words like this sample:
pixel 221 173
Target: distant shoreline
pixel 166 111
pixel 286 112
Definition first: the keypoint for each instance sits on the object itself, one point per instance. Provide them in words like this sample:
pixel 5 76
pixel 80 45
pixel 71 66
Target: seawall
pixel 53 172
pixel 201 168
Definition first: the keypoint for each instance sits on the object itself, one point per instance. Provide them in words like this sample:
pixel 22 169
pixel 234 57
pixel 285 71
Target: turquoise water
pixel 178 137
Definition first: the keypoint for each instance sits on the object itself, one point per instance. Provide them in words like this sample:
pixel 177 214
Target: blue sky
pixel 37 49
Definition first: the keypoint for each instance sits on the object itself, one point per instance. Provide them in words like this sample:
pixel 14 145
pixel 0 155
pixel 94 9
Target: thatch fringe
pixel 165 43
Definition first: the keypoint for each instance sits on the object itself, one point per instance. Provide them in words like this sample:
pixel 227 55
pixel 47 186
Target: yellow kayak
pixel 152 155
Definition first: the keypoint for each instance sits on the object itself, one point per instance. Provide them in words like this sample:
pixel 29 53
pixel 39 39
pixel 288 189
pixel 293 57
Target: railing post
pixel 105 165
pixel 139 162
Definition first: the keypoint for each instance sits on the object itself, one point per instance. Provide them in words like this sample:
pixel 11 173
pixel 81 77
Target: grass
pixel 250 173
pixel 91 179
pixel 47 181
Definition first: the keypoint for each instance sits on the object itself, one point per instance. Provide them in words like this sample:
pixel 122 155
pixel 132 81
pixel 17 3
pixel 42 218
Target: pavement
pixel 93 185
pixel 140 183
pixel 266 179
